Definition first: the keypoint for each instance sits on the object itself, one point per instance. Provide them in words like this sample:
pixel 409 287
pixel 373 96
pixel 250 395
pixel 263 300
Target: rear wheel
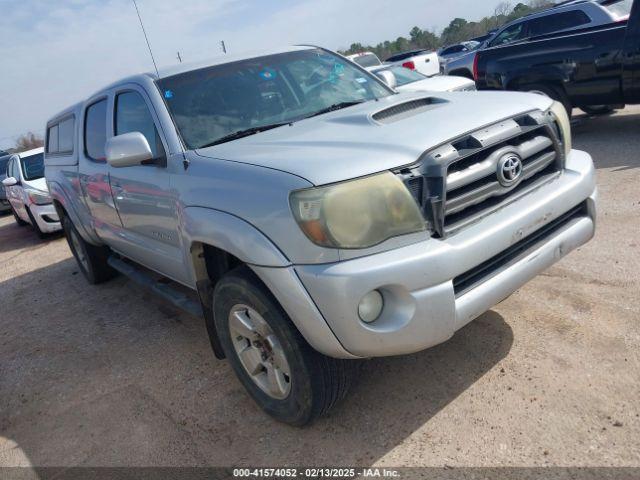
pixel 286 377
pixel 597 109
pixel 552 91
pixel 91 259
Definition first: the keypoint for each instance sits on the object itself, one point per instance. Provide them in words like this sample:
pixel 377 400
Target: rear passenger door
pixel 143 195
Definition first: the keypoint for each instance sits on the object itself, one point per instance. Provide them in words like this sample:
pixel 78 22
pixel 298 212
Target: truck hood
pixel 349 143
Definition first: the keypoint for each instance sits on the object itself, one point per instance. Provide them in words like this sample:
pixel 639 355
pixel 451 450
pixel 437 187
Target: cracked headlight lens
pixel 357 213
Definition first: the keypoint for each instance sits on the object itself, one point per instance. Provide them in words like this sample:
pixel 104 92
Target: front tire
pixel 552 91
pixel 19 221
pixel 286 377
pixel 34 224
pixel 92 260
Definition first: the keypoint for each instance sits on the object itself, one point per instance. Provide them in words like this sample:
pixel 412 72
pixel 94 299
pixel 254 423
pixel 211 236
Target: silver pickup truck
pixel 312 214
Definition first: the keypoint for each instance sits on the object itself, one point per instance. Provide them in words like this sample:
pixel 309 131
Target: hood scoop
pixel 404 110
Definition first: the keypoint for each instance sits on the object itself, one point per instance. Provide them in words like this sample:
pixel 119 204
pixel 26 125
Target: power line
pixel 146 38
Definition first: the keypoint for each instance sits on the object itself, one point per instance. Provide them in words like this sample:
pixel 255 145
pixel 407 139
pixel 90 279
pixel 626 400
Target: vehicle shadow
pixel 14 237
pixel 109 375
pixel 617 135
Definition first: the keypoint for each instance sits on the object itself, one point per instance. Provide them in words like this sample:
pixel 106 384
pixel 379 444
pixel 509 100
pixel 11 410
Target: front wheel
pixel 552 91
pixel 91 259
pixel 34 224
pixel 19 221
pixel 285 376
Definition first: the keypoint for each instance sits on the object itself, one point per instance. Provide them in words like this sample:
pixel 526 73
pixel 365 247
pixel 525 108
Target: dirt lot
pixel 111 376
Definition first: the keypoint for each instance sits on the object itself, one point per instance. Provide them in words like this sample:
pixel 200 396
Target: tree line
pixel 458 30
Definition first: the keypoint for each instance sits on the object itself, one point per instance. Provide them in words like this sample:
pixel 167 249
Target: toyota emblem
pixel 509 169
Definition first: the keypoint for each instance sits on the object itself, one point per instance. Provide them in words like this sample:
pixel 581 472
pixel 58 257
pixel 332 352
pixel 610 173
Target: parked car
pixel 565 17
pixel 320 216
pixel 594 69
pixel 27 192
pixel 405 80
pixel 5 206
pixel 365 59
pixel 424 61
pixel 455 51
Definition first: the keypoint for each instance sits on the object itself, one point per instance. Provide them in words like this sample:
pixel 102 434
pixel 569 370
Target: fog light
pixel 370 306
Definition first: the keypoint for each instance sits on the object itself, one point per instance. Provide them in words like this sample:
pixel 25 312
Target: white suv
pixel 27 192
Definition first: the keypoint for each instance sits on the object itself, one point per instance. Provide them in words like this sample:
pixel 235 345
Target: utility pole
pixel 224 47
pixel 179 57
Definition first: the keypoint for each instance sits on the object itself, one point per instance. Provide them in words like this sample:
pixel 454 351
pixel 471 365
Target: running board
pixel 164 290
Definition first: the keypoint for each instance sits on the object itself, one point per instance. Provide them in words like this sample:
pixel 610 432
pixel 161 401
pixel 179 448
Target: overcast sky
pixel 55 53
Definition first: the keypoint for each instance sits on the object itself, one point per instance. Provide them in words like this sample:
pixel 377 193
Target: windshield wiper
pixel 244 133
pixel 334 107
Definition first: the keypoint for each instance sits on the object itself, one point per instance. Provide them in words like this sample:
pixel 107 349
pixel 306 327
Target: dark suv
pixel 565 17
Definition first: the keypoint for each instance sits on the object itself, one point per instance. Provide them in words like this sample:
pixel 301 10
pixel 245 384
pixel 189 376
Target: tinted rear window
pixel 557 23
pixel 60 137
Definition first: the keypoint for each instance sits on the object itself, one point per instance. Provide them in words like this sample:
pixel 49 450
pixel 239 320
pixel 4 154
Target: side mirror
pixel 10 182
pixel 388 78
pixel 127 150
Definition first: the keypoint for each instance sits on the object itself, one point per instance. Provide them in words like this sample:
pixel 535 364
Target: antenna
pixel 224 47
pixel 179 57
pixel 145 37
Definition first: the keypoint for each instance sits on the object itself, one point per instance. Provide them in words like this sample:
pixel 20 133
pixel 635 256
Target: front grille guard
pixel 426 180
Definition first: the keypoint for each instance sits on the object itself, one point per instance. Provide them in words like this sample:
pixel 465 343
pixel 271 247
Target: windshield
pixel 368 60
pixel 403 75
pixel 218 101
pixel 33 166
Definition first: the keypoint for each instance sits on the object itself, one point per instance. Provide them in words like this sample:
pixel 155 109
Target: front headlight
pixel 358 213
pixel 39 198
pixel 558 111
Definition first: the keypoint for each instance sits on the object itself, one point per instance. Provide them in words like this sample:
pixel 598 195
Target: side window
pixel 95 130
pixel 510 34
pixel 65 135
pixel 133 115
pixel 558 22
pixel 52 139
pixel 60 137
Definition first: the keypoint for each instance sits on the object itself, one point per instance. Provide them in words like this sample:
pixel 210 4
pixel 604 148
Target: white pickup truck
pixel 426 62
pixel 316 215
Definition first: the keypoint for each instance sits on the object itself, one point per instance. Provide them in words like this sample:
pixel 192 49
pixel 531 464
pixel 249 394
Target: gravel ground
pixel 110 376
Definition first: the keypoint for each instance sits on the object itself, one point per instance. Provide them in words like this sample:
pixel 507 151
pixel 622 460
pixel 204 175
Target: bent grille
pixel 467 178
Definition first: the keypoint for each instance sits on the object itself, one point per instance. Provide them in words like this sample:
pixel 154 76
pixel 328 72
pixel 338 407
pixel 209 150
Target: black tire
pixel 91 259
pixel 317 382
pixel 19 221
pixel 34 224
pixel 552 91
pixel 598 109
